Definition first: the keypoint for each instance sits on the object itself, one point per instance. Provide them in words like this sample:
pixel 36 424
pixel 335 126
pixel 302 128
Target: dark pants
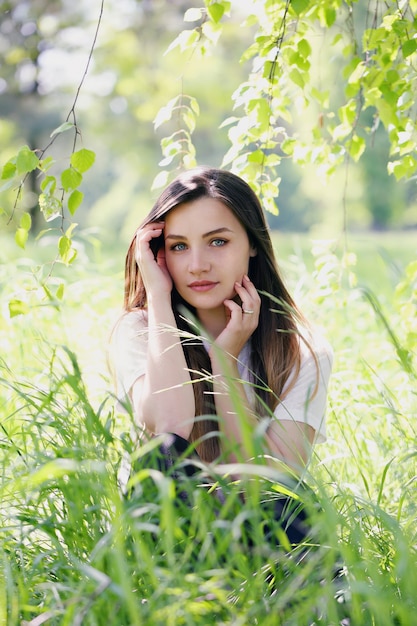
pixel 175 457
pixel 282 516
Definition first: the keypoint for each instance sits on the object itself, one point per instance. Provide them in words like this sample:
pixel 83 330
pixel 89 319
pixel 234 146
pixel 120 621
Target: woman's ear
pixel 253 251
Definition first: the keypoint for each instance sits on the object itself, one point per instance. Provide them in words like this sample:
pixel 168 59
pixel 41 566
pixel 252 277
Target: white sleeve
pixel 128 351
pixel 306 400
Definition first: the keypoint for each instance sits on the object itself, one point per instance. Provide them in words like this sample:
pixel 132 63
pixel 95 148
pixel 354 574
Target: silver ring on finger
pixel 247 311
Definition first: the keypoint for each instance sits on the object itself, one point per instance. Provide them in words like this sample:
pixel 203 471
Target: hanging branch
pixel 53 192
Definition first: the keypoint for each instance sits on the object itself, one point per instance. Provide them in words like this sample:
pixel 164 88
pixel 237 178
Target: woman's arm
pixel 293 429
pixel 298 420
pixel 232 405
pixel 163 399
pixel 287 441
pixel 300 416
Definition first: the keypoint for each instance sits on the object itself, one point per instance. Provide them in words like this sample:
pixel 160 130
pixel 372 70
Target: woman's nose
pixel 198 262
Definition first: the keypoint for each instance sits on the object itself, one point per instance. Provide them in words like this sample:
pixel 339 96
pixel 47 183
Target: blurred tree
pixel 295 103
pixel 384 197
pixel 318 84
pixel 129 79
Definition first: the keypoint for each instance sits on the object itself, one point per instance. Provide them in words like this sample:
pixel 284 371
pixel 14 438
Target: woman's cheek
pixel 233 292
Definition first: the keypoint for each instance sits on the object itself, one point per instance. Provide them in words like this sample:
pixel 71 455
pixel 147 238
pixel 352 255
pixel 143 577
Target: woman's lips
pixel 203 285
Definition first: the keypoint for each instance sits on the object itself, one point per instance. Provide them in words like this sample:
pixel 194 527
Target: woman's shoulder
pixel 314 343
pixel 137 317
pixel 131 323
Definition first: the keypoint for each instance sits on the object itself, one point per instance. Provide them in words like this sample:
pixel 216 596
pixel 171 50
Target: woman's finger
pixel 249 296
pixel 250 287
pixel 145 236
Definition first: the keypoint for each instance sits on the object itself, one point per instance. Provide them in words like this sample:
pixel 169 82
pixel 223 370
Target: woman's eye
pixel 218 242
pixel 178 247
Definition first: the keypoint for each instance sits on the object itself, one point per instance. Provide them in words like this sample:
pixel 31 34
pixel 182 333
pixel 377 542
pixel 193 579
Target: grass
pixel 74 550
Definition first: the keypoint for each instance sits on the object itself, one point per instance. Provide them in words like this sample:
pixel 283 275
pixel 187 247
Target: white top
pixel 304 403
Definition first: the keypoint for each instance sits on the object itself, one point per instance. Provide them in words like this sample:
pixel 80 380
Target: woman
pixel 211 347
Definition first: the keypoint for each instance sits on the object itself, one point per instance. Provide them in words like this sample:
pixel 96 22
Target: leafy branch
pixel 54 190
pixel 177 148
pixel 181 112
pixel 286 113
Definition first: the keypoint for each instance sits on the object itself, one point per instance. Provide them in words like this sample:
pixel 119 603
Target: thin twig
pixel 71 112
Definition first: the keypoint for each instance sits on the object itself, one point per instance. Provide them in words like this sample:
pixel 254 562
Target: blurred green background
pixel 44 46
pixel 343 244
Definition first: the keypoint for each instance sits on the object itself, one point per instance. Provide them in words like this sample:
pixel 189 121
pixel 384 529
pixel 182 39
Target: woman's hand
pixel 241 320
pixel 155 275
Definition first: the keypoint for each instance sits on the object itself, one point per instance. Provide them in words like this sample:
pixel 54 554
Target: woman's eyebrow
pixel 215 231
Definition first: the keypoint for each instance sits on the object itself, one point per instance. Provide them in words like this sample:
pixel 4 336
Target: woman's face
pixel 206 250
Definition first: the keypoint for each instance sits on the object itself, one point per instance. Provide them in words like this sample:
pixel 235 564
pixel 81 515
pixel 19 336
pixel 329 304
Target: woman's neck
pixel 213 320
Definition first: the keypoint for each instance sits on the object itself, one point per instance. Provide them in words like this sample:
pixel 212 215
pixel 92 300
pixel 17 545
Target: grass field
pixel 74 551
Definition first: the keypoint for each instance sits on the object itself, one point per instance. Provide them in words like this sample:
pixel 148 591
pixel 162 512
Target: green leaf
pixel 60 291
pixel 9 170
pixel 409 47
pixel 70 179
pixel 167 161
pixel 48 185
pixel 26 221
pixel 64 245
pixel 269 205
pixel 71 229
pixel 257 156
pixel 347 113
pixel 194 105
pixel 48 292
pixel 403 168
pixel 66 251
pixel 341 131
pixel 21 237
pixel 356 147
pixel 189 160
pixel 189 119
pixel 185 40
pixel 61 129
pixel 75 200
pixel 299 5
pixel 212 31
pixel 160 180
pixel 304 48
pixel 270 189
pixel 165 113
pixel 50 206
pixel 297 59
pixel 215 11
pixel 18 307
pixel 43 232
pixel 328 16
pixel 45 164
pixel 26 160
pixel 83 160
pixel 389 93
pixel 297 78
pixel 288 146
pixel 192 15
pixel 171 149
pixel 357 74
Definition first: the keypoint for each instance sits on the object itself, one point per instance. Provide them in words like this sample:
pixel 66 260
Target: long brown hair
pixel 275 349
